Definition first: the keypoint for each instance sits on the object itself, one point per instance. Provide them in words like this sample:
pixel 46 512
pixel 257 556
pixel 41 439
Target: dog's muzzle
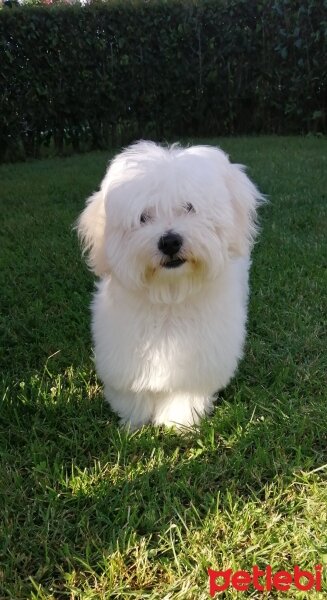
pixel 170 244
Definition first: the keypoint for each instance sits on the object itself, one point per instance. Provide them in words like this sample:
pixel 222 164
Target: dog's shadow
pixel 93 489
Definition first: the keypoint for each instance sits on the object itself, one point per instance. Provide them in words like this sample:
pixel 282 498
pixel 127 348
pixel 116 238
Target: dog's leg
pixel 133 409
pixel 181 410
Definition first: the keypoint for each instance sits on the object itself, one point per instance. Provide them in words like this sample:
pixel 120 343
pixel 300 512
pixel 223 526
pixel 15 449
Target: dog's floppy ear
pixel 91 232
pixel 245 198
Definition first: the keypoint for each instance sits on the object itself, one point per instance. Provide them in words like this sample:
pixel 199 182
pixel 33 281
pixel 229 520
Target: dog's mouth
pixel 173 263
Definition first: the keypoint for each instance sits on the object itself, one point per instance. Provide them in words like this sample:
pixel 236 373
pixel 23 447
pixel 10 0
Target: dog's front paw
pixel 132 425
pixel 134 410
pixel 181 411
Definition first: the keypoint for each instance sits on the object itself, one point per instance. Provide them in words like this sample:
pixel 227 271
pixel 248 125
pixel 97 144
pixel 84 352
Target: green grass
pixel 90 512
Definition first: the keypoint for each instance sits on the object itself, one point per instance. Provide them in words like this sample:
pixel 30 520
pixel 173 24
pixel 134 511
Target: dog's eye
pixel 189 208
pixel 144 217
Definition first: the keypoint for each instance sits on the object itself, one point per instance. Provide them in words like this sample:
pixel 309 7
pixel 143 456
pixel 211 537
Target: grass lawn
pixel 90 512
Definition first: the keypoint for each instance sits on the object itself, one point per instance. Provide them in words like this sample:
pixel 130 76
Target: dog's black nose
pixel 170 243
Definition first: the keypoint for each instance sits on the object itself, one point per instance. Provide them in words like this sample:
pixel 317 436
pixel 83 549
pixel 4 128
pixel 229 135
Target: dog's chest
pixel 163 347
pixel 172 346
pixel 169 331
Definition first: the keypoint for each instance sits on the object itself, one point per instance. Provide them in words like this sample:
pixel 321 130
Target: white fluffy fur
pixel 167 339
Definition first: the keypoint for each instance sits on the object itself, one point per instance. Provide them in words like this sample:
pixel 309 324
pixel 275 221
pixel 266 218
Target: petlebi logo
pixel 265 580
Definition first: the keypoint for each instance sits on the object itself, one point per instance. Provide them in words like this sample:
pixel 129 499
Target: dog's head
pixel 167 219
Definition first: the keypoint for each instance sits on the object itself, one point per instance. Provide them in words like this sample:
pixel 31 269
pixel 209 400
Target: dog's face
pixel 167 219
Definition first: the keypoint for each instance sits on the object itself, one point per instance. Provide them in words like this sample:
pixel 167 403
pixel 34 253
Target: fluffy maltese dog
pixel 169 234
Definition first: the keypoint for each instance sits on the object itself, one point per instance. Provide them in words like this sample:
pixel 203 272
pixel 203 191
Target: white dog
pixel 169 234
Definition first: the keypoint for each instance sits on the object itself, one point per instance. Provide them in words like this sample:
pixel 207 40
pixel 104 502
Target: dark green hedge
pixel 105 74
